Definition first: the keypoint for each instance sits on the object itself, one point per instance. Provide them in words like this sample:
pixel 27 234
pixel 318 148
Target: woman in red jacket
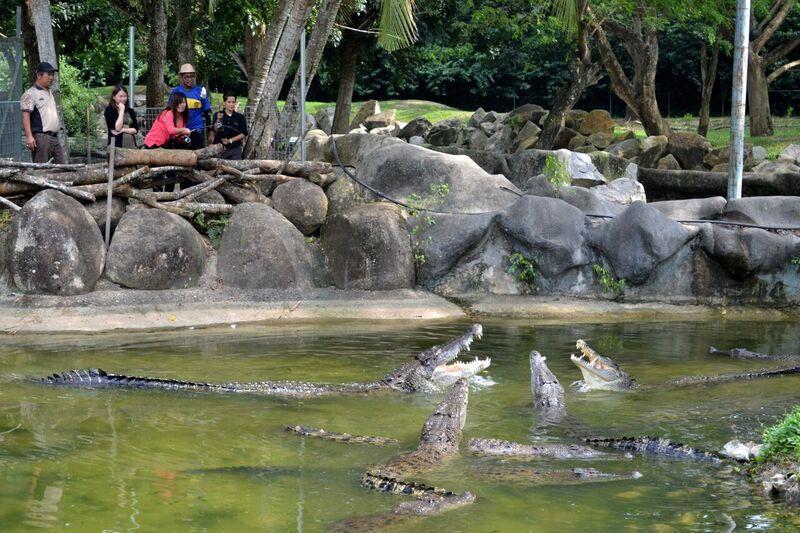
pixel 169 127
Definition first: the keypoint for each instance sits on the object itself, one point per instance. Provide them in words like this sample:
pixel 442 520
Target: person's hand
pixel 132 131
pixel 225 141
pixel 121 108
pixel 185 131
pixel 30 142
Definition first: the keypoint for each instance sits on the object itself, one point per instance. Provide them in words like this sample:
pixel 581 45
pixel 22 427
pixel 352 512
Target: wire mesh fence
pixel 10 90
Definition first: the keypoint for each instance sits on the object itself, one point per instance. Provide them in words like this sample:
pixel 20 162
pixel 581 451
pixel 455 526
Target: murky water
pixel 119 460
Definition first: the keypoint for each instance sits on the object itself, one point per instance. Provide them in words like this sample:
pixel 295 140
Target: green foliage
pixel 212 226
pixel 5 219
pixel 417 204
pixel 524 269
pixel 789 112
pixel 688 116
pixel 609 283
pixel 556 172
pixel 796 260
pixel 398 28
pixel 514 121
pixel 75 98
pixel 783 439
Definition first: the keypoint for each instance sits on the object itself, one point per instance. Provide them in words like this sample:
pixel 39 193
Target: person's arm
pixel 120 122
pixel 134 129
pixel 30 140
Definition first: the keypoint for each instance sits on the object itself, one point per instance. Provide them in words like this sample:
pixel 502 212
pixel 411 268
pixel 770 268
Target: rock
pixel 211 197
pixel 525 113
pixel 399 170
pixel 324 118
pixel 563 138
pixel 621 191
pixel 277 259
pixel 476 117
pixel 477 140
pixel 574 117
pixel 381 120
pixel 638 240
pixel 773 211
pixel 527 137
pixel 577 141
pixel 367 109
pixel 588 202
pixel 565 167
pixel 625 135
pixel 488 128
pixel 419 127
pixel 353 147
pixel 500 141
pixel 344 194
pixel 747 251
pixel 54 246
pixel 791 152
pixel 97 210
pixel 445 132
pixel 580 168
pixel 550 229
pixel 777 166
pixel 586 149
pixel 759 154
pixel 693 209
pixel 600 140
pixel 369 248
pixel 386 131
pixel 614 167
pixel 722 167
pixel 416 140
pixel 302 203
pixel 718 157
pixel 737 450
pixel 154 250
pixel 689 149
pixel 491 117
pixel 597 121
pixel 668 162
pixel 653 148
pixel 628 148
pixel 540 186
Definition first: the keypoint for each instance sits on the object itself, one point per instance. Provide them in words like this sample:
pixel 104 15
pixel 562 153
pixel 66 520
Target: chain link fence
pixel 10 90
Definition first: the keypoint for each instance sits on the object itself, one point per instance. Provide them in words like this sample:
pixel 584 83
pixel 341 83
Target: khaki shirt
pixel 41 105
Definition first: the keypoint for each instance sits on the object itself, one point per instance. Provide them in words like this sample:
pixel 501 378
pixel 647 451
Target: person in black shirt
pixel 121 119
pixel 230 128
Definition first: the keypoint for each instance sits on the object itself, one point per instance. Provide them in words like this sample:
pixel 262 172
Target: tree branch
pixel 619 80
pixel 780 70
pixel 780 52
pixel 774 23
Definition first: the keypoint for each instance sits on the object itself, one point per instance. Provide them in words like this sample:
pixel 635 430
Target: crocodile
pixel 323 434
pixel 505 448
pixel 563 476
pixel 429 371
pixel 744 353
pixel 653 446
pixel 548 394
pixel 601 373
pixel 441 435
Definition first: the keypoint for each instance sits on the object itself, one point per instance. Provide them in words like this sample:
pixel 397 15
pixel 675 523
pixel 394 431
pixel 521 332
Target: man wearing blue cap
pixel 40 118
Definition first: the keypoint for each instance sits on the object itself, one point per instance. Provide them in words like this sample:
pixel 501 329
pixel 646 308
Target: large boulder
pixel 344 194
pixel 369 248
pixel 747 251
pixel 791 152
pixel 367 109
pixel 153 249
pixel 692 209
pixel 777 166
pixel 689 149
pixel 381 120
pixel 774 211
pixel 476 117
pixel 97 210
pixel 668 162
pixel 527 137
pixel 445 132
pixel 525 113
pixel 260 249
pixel 302 203
pixel 54 246
pixel 550 229
pixel 614 167
pixel 628 148
pixel 589 202
pixel 562 167
pixel 638 240
pixel 622 191
pixel 418 127
pixel 400 170
pixel 324 118
pixel 652 148
pixel 597 121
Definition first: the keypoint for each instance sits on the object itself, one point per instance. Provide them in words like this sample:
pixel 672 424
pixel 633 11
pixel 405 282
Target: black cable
pixel 590 215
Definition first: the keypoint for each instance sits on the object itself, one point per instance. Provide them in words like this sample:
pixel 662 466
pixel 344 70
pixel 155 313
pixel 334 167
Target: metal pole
pixel 736 152
pixel 303 96
pixel 109 195
pixel 19 22
pixel 132 80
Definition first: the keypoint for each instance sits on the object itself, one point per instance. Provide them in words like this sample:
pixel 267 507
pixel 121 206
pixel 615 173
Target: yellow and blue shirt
pixel 198 104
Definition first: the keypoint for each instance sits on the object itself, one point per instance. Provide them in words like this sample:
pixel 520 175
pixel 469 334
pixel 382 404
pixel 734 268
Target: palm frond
pixel 398 28
pixel 566 11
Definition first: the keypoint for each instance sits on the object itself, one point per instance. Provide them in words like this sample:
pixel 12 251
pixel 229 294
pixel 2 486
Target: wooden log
pixel 149 200
pixel 44 183
pixel 662 184
pixel 101 189
pixel 10 163
pixel 164 157
pixel 215 150
pixel 234 193
pixel 8 188
pixel 85 176
pixel 191 192
pixel 9 204
pixel 270 166
pixel 209 209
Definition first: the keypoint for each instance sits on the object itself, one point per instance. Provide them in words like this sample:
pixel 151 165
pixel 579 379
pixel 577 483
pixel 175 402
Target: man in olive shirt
pixel 40 118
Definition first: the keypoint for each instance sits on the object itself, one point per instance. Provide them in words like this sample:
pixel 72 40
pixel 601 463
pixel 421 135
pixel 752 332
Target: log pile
pixel 135 171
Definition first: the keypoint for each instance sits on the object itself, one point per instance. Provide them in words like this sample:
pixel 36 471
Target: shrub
pixel 783 439
pixel 556 172
pixel 524 269
pixel 75 98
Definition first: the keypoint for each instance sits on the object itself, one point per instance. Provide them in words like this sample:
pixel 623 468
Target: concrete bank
pixel 129 310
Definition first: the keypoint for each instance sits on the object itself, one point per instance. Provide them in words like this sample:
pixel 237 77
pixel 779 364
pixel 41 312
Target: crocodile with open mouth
pixel 601 373
pixel 548 394
pixel 431 370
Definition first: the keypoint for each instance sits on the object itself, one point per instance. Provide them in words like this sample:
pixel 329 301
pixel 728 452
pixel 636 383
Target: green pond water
pixel 116 460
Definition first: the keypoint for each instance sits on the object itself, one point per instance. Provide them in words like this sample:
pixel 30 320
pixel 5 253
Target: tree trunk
pixel 264 122
pixel 350 48
pixel 272 37
pixel 156 14
pixel 29 43
pixel 708 75
pixel 254 42
pixel 758 98
pixel 43 24
pixel 184 31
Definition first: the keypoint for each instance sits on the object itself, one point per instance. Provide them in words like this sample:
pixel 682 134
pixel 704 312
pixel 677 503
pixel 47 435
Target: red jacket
pixel 163 129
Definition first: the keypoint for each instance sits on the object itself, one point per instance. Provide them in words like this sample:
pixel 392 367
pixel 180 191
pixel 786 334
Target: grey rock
pixel 551 229
pixel 668 162
pixel 491 116
pixel 476 117
pixel 540 186
pixel 445 132
pixel 367 109
pixel 614 167
pixel 689 149
pixel 638 240
pixel 577 141
pixel 277 259
pixel 324 119
pixel 369 248
pixel 381 119
pixel 386 131
pixel 622 191
pixel 527 137
pixel 418 127
pixel 344 194
pixel 574 118
pixel 154 250
pixel 791 152
pixel 302 203
pixel 577 168
pixel 563 138
pixel 416 140
pixel 744 252
pixel 525 113
pixel 759 154
pixel 477 140
pixel 628 148
pixel 54 246
pixel 600 140
pixel 653 148
pixel 211 197
pixel 773 211
pixel 692 209
pixel 777 166
pixel 588 202
pixel 98 212
pixel 488 128
pixel 736 449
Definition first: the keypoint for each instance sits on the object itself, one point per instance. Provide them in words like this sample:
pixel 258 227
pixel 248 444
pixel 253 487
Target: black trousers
pixel 198 139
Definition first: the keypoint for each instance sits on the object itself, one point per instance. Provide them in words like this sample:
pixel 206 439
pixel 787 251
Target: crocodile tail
pixel 384 483
pixel 91 377
pixel 97 378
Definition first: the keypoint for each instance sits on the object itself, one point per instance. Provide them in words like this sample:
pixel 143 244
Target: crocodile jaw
pixel 445 375
pixel 599 373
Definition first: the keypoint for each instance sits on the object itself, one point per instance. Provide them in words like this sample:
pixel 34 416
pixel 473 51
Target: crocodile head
pixel 442 430
pixel 599 372
pixel 548 394
pixel 434 369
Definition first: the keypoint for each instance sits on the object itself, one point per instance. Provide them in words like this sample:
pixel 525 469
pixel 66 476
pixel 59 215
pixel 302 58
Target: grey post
pixel 303 96
pixel 132 79
pixel 738 100
pixel 111 146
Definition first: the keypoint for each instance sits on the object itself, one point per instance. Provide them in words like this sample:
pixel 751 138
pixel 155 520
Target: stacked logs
pixel 134 172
